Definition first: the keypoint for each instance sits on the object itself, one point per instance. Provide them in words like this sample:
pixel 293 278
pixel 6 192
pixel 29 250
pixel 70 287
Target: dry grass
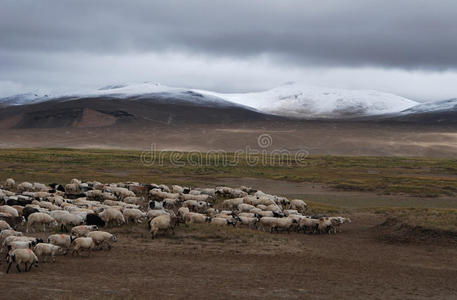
pixel 431 218
pixel 421 177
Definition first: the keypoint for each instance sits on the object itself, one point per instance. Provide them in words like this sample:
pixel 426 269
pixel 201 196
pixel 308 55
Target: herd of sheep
pixel 80 209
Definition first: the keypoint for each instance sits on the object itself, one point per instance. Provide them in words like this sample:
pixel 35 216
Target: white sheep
pixel 96 195
pixel 183 211
pixel 158 195
pixel 243 207
pixel 191 204
pixel 102 237
pixel 327 225
pixel 211 212
pixel 44 250
pixel 134 215
pixel 133 200
pixel 72 188
pixel 24 187
pixel 284 224
pixel 266 213
pixel 71 220
pixel 171 203
pixel 308 224
pixel 13 245
pixel 62 240
pixel 161 223
pixel 267 223
pixel 201 197
pixel 19 256
pixel 122 193
pixel 10 183
pixel 83 230
pixel 177 189
pixel 4 225
pixel 222 221
pixel 111 215
pixel 83 243
pixel 164 188
pixel 39 187
pixel 298 204
pixel 273 207
pixel 9 210
pixel 48 205
pixel 196 218
pixel 232 203
pixel 41 219
pixel 251 222
pixel 247 214
pixel 152 213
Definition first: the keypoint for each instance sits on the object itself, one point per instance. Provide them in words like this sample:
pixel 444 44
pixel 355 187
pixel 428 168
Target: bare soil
pixel 328 138
pixel 206 263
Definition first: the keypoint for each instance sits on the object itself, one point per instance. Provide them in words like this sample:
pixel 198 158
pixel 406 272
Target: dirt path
pixel 208 263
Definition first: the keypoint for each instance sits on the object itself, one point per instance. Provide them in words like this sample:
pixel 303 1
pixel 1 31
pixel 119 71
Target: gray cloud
pixel 406 47
pixel 408 34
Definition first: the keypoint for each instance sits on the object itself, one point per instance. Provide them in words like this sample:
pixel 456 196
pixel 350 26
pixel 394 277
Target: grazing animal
pixel 22 256
pixel 162 223
pixel 94 219
pixel 40 219
pixel 62 240
pixel 83 230
pixel 102 237
pixel 43 251
pixel 83 243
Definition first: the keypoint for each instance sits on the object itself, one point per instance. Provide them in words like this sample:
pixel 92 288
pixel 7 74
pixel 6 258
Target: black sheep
pixel 57 187
pixel 27 211
pixel 94 219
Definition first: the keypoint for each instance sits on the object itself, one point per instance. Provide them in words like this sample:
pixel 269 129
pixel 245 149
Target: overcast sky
pixel 407 47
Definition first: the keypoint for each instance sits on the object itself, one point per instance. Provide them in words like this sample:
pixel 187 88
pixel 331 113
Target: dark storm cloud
pixel 410 34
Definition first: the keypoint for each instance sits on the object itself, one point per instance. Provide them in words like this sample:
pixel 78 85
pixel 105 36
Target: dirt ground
pixel 323 138
pixel 206 263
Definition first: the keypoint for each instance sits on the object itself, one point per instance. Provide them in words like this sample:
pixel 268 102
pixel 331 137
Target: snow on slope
pixel 302 101
pixel 21 99
pixel 147 89
pixel 435 106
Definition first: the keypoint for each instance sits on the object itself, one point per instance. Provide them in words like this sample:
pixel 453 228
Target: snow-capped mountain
pixel 301 101
pixel 291 100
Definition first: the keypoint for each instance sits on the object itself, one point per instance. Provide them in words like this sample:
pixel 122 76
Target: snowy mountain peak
pixel 303 101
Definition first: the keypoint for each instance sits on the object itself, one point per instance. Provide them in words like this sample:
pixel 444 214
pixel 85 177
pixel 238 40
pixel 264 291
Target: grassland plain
pixel 421 188
pixel 424 177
